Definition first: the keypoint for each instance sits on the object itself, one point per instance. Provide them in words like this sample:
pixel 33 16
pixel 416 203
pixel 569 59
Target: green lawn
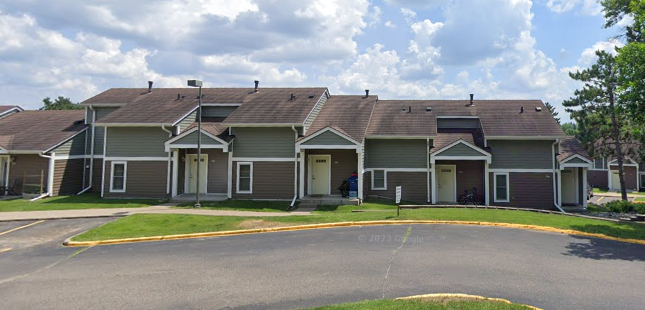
pixel 85 201
pixel 143 225
pixel 450 304
pixel 242 205
pixel 640 199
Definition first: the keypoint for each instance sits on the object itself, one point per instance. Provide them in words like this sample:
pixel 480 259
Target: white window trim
pixel 384 180
pixel 125 176
pixel 604 165
pixel 237 182
pixel 508 187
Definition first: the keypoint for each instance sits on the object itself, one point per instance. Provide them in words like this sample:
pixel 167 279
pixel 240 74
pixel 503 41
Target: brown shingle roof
pixel 390 118
pixel 5 108
pixel 444 139
pixel 212 125
pixel 347 114
pixel 497 117
pixel 571 146
pixel 39 130
pixel 274 106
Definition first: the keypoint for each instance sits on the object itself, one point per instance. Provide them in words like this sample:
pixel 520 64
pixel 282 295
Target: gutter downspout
pixel 555 189
pixel 50 177
pixel 169 159
pixel 295 170
pixel 91 153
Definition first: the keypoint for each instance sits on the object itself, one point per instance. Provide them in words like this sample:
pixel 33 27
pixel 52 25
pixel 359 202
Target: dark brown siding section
pixel 271 180
pixel 68 177
pixel 630 177
pixel 527 190
pixel 413 186
pixel 217 171
pixel 343 164
pixel 96 175
pixel 144 179
pixel 181 172
pixel 470 173
pixel 31 167
pixel 597 178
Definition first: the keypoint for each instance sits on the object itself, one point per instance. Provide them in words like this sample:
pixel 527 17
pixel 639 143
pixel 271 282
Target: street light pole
pixel 198 83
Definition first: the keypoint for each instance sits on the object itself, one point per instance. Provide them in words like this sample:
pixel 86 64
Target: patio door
pixel 447 184
pixel 192 173
pixel 320 174
pixel 569 185
pixel 615 180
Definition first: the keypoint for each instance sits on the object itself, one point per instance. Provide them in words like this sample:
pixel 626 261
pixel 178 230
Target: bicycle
pixel 472 197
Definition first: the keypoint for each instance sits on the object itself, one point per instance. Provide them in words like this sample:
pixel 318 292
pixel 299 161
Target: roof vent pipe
pixel 293 97
pixel 367 93
pixel 521 110
pixel 409 109
pixel 472 97
pixel 149 86
pixel 256 85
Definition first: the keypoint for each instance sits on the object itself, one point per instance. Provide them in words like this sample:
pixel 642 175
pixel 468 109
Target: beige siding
pixel 414 186
pixel 271 180
pixel 144 179
pixel 68 177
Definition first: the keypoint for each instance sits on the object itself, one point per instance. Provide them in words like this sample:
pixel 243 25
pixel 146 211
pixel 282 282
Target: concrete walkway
pixel 614 194
pixel 119 212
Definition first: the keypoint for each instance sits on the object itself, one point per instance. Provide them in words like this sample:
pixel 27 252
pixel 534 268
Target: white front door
pixel 446 183
pixel 615 180
pixel 192 173
pixel 320 166
pixel 569 182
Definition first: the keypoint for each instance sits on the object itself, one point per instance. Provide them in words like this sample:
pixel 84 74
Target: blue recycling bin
pixel 353 186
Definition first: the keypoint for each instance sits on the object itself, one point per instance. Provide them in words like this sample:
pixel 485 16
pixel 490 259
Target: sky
pixel 399 49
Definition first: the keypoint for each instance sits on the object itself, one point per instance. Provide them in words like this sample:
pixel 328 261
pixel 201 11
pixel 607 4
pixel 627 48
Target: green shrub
pixel 621 206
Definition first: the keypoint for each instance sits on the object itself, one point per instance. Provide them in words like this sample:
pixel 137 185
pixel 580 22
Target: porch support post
pixel 360 173
pixel 175 171
pixel 229 191
pixel 302 174
pixel 434 183
pixel 584 187
pixel 486 183
pixel 559 188
pixel 428 168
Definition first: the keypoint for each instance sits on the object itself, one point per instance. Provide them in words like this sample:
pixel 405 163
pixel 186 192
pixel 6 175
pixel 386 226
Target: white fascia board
pixel 464 143
pixel 576 156
pixel 131 124
pixel 185 133
pixel 524 137
pixel 577 165
pixel 433 158
pixel 615 162
pixel 262 125
pixel 329 147
pixel 23 152
pixel 63 142
pixel 326 129
pixel 194 146
pixel 104 105
pixel 185 115
pixel 135 158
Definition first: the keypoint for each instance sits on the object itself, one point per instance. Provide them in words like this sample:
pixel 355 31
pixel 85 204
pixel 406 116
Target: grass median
pixel 147 225
pixel 241 205
pixel 431 304
pixel 85 201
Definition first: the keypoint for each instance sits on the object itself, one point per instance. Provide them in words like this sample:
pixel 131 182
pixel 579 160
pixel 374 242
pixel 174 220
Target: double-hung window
pixel 244 178
pixel 379 180
pixel 501 187
pixel 599 164
pixel 118 174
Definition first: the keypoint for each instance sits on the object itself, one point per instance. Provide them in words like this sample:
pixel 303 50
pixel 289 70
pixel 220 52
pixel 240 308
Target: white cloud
pixel 422 4
pixel 586 7
pixel 389 24
pixel 588 56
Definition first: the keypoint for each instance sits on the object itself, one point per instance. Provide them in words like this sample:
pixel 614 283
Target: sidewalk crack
pixel 387 273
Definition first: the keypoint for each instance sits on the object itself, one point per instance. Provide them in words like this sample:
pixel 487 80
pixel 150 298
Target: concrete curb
pixel 71 243
pixel 464 296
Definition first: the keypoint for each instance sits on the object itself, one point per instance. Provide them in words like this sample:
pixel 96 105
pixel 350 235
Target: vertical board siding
pixel 136 142
pixel 75 146
pixel 460 150
pixel 515 154
pixel 217 180
pixel 271 180
pixel 186 122
pixel 314 113
pixel 328 138
pixel 68 177
pixel 527 190
pixel 458 123
pixel 469 174
pixel 264 142
pixel 343 164
pixel 217 111
pixel 413 186
pixel 30 165
pixel 598 178
pixel 387 153
pixel 144 179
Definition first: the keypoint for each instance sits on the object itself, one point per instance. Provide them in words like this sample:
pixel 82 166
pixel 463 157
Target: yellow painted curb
pixel 346 224
pixel 464 296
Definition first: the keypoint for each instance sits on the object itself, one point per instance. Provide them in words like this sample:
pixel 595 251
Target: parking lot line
pixel 21 227
pixel 599 199
pixel 5 250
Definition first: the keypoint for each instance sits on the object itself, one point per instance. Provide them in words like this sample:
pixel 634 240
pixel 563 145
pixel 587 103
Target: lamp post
pixel 198 83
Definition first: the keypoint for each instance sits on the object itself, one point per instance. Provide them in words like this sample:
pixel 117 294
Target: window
pixel 379 180
pixel 244 178
pixel 599 164
pixel 117 176
pixel 501 187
